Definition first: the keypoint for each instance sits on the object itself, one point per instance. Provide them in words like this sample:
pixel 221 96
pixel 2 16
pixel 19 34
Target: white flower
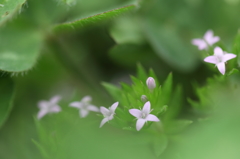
pixel 49 106
pixel 108 113
pixel 208 40
pixel 219 58
pixel 84 106
pixel 151 83
pixel 143 115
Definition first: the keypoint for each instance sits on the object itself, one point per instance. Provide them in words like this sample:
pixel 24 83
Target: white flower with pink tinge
pixel 48 106
pixel 219 58
pixel 84 106
pixel 143 115
pixel 108 113
pixel 208 40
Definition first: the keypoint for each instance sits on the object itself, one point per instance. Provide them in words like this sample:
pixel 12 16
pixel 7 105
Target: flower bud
pixel 144 98
pixel 151 83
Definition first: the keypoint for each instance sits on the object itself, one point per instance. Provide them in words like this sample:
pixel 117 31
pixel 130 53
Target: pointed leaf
pixel 10 8
pixel 114 91
pixel 19 46
pixel 160 144
pixel 6 97
pixel 80 23
pixel 141 73
pixel 167 89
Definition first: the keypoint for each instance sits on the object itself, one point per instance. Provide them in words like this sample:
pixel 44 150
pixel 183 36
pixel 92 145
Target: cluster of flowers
pixel 143 115
pixel 220 57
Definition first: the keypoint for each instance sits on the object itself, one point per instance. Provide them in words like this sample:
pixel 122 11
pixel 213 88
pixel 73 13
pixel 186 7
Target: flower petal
pixel 208 35
pixel 228 56
pixel 135 112
pixel 75 104
pixel 140 123
pixel 211 59
pixel 55 109
pixel 103 122
pixel 43 104
pixel 83 113
pixel 213 40
pixel 200 43
pixel 55 99
pixel 151 117
pixel 93 108
pixel 146 108
pixel 221 67
pixel 42 113
pixel 86 99
pixel 218 52
pixel 104 111
pixel 113 107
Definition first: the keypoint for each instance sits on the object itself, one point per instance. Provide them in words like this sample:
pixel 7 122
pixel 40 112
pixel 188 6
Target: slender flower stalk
pixel 208 40
pixel 219 58
pixel 108 113
pixel 84 106
pixel 151 83
pixel 143 115
pixel 48 106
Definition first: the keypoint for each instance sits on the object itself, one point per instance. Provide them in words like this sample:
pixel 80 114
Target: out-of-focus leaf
pixel 92 19
pixel 141 73
pixel 9 8
pixel 127 30
pixel 114 91
pixel 174 104
pixel 233 71
pixel 167 88
pixel 41 149
pixel 173 127
pixel 160 144
pixel 19 46
pixel 6 95
pixel 169 46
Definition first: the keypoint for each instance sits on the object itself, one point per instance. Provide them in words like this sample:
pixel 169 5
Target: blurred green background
pixel 49 47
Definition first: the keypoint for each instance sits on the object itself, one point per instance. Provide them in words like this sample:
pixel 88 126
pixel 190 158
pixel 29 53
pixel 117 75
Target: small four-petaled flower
pixel 219 58
pixel 84 106
pixel 108 113
pixel 143 115
pixel 208 40
pixel 48 106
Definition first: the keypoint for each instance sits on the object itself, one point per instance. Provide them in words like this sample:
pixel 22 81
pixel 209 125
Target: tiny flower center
pixel 143 115
pixel 219 58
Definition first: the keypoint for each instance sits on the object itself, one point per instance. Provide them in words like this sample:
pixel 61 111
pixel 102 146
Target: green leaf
pixel 6 96
pixel 41 149
pixel 174 104
pixel 173 127
pixel 141 73
pixel 167 89
pixel 160 144
pixel 80 23
pixel 114 91
pixel 19 46
pixel 169 46
pixel 10 8
pixel 233 71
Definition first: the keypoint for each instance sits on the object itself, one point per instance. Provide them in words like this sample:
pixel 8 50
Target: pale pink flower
pixel 143 115
pixel 219 58
pixel 208 40
pixel 48 106
pixel 108 113
pixel 151 83
pixel 84 106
